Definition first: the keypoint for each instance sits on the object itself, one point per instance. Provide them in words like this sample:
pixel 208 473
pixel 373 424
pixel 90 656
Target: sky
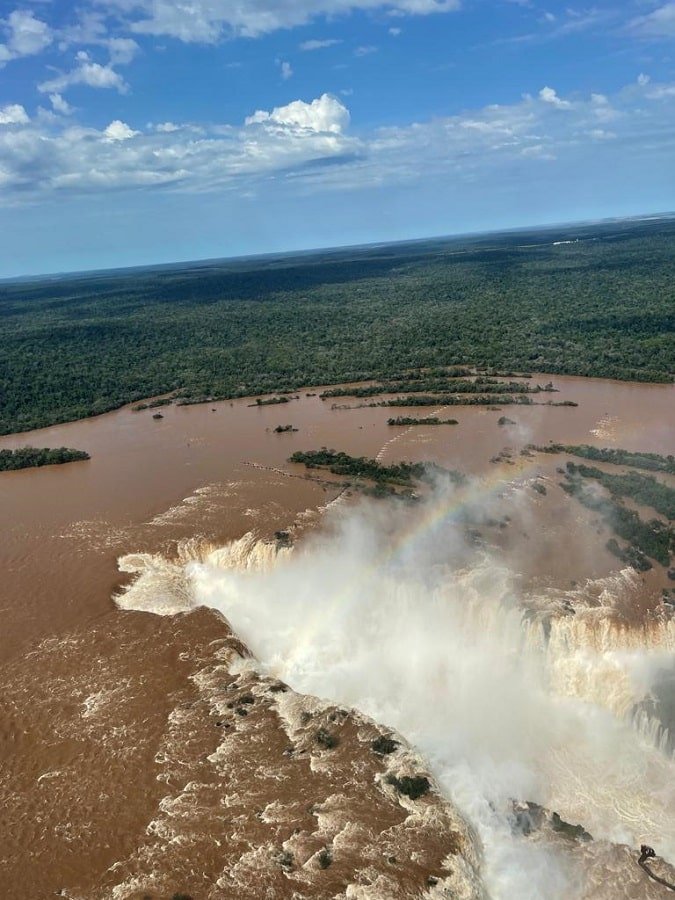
pixel 149 131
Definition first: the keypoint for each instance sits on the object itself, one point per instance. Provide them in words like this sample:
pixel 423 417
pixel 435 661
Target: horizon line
pixel 271 254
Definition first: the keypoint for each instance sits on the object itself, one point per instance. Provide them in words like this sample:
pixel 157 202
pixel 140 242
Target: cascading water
pixel 504 705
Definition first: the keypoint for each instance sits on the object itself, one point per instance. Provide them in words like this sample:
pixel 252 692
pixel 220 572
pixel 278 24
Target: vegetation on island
pixel 653 462
pixel 283 429
pixel 445 400
pixel 75 346
pixel 339 463
pixel 646 540
pixel 403 473
pixel 272 401
pixel 443 385
pixel 34 457
pixel 430 420
pixel 413 786
pixel 643 489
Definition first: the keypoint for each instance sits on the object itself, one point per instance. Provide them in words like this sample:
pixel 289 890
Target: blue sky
pixel 141 131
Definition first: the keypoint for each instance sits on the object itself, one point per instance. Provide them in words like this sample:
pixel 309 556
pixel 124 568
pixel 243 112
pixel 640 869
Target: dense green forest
pixel 79 345
pixel 34 457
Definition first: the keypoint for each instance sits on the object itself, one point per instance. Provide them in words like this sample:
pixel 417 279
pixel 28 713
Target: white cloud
pixel 326 113
pixel 308 144
pixel 394 32
pixel 286 70
pixel 660 23
pixel 90 28
pixel 86 73
pixel 13 114
pixel 319 44
pixel 365 50
pixel 548 95
pixel 122 50
pixel 537 151
pixel 207 20
pixel 643 79
pixel 26 36
pixel 661 92
pixel 60 105
pixel 119 131
pixel 600 134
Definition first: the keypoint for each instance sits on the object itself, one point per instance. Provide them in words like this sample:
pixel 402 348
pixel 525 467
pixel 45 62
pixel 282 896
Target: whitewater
pixel 550 698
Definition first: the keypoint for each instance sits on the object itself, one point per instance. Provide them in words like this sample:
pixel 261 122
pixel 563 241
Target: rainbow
pixel 439 510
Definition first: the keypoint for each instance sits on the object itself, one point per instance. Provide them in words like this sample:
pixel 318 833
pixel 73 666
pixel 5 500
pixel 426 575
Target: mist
pixel 543 698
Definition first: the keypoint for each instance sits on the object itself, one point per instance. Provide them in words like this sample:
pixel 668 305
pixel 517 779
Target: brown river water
pixel 125 774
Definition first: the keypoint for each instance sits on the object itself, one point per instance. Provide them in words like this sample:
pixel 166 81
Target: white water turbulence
pixel 389 612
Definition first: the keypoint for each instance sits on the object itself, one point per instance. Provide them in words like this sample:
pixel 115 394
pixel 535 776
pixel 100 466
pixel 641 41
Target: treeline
pixel 430 420
pixel 77 346
pixel 33 457
pixel 650 461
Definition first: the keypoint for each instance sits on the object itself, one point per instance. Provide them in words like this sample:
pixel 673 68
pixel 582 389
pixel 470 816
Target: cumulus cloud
pixel 309 144
pixel 548 95
pixel 286 70
pixel 119 131
pixel 26 36
pixel 207 20
pixel 50 156
pixel 325 114
pixel 13 114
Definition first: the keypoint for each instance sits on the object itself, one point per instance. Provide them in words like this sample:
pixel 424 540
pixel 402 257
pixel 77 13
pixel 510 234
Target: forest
pixel 75 346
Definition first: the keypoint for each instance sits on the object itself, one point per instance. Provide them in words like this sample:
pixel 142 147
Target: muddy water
pixel 88 689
